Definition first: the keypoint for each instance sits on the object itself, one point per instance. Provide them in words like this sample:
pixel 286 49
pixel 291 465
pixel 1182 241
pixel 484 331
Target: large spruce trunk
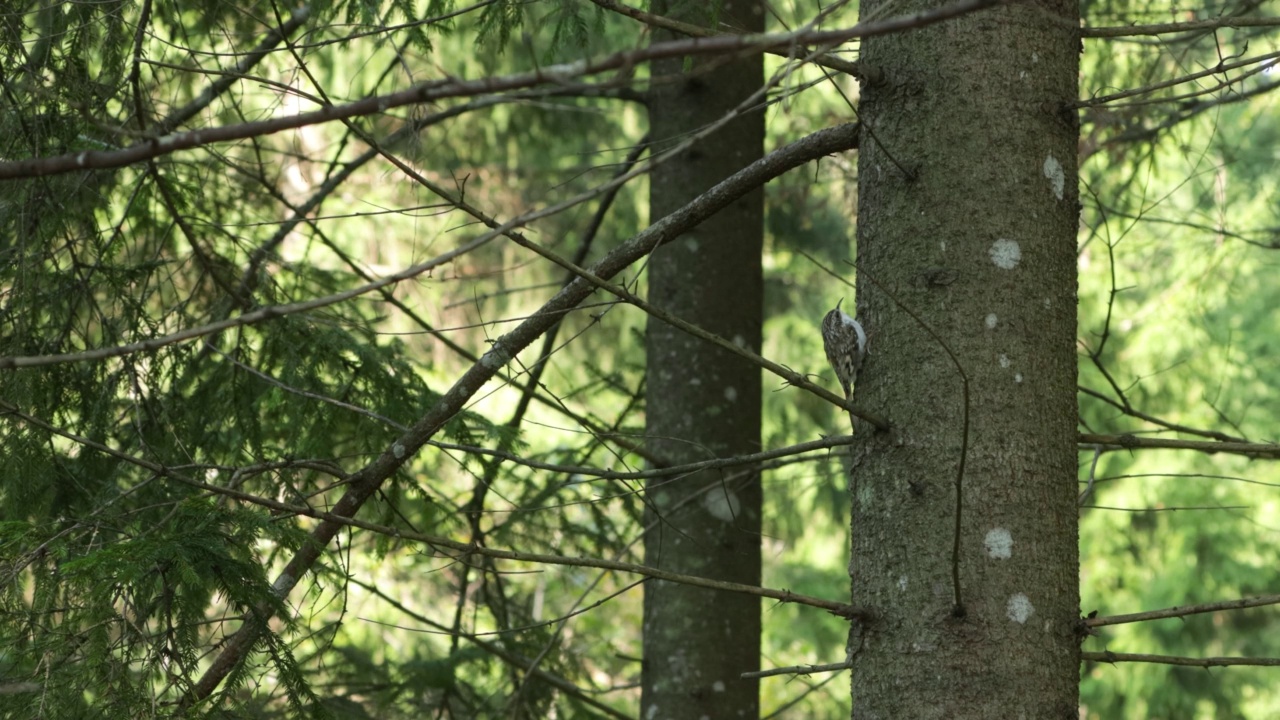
pixel 967 216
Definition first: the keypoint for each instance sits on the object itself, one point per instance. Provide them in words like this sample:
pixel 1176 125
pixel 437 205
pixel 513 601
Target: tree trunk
pixel 967 217
pixel 700 401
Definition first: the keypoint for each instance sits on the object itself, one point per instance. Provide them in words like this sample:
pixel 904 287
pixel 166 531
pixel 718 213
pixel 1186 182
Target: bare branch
pixel 799 670
pixel 1177 27
pixel 825 60
pixel 1183 611
pixel 826 443
pixel 1259 451
pixel 1123 406
pixel 1110 657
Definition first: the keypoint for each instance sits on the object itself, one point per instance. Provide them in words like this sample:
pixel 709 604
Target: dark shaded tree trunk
pixel 967 214
pixel 700 401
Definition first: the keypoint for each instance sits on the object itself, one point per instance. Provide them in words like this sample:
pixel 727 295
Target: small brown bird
pixel 846 344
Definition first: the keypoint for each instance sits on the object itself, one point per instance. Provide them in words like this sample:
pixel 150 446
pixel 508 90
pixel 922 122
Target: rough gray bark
pixel 967 214
pixel 700 401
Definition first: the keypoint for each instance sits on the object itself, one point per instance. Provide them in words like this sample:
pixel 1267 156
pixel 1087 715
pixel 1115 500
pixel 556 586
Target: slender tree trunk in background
pixel 980 244
pixel 700 401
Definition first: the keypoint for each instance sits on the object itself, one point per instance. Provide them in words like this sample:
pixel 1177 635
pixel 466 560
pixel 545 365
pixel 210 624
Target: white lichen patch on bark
pixel 1019 609
pixel 998 543
pixel 1005 253
pixel 1056 175
pixel 991 321
pixel 495 358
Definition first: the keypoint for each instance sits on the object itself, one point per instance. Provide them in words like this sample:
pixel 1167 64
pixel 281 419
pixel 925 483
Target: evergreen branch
pixel 579 257
pixel 380 29
pixel 135 71
pixel 437 542
pixel 436 90
pixel 339 519
pixel 1208 662
pixel 366 481
pixel 249 318
pixel 1183 611
pixel 318 397
pixel 561 623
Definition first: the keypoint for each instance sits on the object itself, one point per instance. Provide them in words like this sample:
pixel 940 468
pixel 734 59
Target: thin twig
pixel 1177 27
pixel 497 650
pixel 1267 451
pixel 1093 467
pixel 1183 611
pixel 1112 658
pixel 826 60
pixel 798 670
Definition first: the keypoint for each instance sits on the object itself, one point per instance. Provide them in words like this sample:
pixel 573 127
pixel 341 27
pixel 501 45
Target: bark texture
pixel 702 402
pixel 967 214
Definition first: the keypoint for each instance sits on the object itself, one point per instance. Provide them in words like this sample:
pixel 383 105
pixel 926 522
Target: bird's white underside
pixel 857 329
